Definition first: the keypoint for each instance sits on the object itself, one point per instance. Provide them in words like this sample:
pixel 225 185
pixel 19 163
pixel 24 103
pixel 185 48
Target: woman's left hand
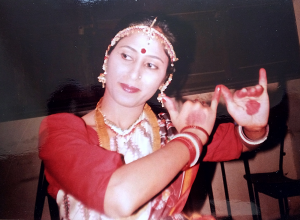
pixel 194 113
pixel 249 106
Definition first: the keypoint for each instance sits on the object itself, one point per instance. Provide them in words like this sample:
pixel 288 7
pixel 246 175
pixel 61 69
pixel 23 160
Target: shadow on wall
pixel 71 97
pixel 278 118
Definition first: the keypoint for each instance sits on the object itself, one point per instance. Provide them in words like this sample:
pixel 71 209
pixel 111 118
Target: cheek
pixel 150 88
pixel 153 81
pixel 114 71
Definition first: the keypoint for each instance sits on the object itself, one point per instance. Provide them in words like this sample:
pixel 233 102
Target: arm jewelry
pixel 195 127
pixel 193 143
pixel 252 142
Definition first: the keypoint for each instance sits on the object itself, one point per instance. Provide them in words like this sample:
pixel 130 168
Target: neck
pixel 121 116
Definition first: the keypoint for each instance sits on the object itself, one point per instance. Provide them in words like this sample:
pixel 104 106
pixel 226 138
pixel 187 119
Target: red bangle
pixel 191 149
pixel 195 136
pixel 195 127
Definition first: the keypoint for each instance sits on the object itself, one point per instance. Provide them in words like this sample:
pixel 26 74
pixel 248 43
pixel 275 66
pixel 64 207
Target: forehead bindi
pixel 141 43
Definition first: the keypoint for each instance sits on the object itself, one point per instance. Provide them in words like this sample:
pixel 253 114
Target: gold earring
pixel 102 79
pixel 162 88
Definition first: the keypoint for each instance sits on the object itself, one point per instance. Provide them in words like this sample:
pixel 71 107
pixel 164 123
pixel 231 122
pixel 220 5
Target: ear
pixel 164 80
pixel 167 76
pixel 104 66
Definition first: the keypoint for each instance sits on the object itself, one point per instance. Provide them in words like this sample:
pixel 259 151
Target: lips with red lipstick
pixel 129 89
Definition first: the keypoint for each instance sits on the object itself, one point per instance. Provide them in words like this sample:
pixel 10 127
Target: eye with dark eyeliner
pixel 125 56
pixel 151 66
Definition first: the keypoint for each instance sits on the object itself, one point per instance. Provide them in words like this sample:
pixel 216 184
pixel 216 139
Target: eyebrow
pixel 152 56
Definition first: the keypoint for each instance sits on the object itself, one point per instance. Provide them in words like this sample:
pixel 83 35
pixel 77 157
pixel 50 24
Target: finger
pixel 241 93
pixel 255 91
pixel 228 98
pixel 170 106
pixel 263 78
pixel 216 98
pixel 226 94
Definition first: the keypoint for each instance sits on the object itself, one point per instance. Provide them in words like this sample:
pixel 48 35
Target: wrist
pixel 255 133
pixel 200 132
pixel 193 144
pixel 258 129
pixel 253 137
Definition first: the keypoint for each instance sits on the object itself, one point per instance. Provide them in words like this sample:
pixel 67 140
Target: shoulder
pixel 62 121
pixel 64 128
pixel 62 116
pixel 89 119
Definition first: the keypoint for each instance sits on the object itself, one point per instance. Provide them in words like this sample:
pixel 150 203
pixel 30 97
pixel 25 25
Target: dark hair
pixel 160 25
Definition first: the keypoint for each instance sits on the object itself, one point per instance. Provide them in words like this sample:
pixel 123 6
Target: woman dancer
pixel 119 160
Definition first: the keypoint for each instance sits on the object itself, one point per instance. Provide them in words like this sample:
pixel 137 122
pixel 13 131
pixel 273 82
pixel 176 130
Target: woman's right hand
pixel 194 113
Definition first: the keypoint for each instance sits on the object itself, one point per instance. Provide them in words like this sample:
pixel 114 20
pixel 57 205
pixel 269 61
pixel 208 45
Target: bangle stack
pixel 252 142
pixel 195 127
pixel 193 143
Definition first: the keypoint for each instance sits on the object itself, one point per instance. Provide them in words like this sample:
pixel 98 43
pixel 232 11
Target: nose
pixel 136 71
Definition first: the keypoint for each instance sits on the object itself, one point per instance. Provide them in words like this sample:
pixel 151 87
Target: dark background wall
pixel 51 51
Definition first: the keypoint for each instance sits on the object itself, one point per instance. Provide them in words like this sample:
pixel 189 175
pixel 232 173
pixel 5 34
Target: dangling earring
pixel 162 88
pixel 101 77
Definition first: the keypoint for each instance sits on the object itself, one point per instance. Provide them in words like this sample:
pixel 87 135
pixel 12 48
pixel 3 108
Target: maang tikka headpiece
pixel 152 34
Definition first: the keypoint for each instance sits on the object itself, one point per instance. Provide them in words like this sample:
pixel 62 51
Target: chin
pixel 130 102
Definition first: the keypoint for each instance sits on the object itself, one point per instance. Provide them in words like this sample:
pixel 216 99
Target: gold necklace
pixel 103 134
pixel 119 131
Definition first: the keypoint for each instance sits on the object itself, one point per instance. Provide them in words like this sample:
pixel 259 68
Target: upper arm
pixel 74 161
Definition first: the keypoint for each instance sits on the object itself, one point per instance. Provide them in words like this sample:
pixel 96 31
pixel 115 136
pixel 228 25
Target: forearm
pixel 136 183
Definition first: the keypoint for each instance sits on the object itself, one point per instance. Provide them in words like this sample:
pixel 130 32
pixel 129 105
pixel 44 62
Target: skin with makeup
pixel 135 69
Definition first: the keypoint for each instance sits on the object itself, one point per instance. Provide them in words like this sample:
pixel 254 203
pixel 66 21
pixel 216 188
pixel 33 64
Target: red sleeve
pixel 74 161
pixel 225 144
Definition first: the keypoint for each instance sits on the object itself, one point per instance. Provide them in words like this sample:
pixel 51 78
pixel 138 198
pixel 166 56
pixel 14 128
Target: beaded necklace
pixel 120 131
pixel 102 122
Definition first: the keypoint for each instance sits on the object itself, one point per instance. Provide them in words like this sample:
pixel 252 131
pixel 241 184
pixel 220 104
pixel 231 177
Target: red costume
pixel 75 163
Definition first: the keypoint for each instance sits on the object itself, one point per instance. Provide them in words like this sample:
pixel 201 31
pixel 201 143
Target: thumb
pixel 216 98
pixel 227 95
pixel 170 106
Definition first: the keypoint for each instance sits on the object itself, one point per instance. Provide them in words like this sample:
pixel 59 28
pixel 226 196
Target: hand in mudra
pixel 194 113
pixel 249 106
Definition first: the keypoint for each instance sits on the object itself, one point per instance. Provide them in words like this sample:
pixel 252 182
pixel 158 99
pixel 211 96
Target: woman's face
pixel 135 69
